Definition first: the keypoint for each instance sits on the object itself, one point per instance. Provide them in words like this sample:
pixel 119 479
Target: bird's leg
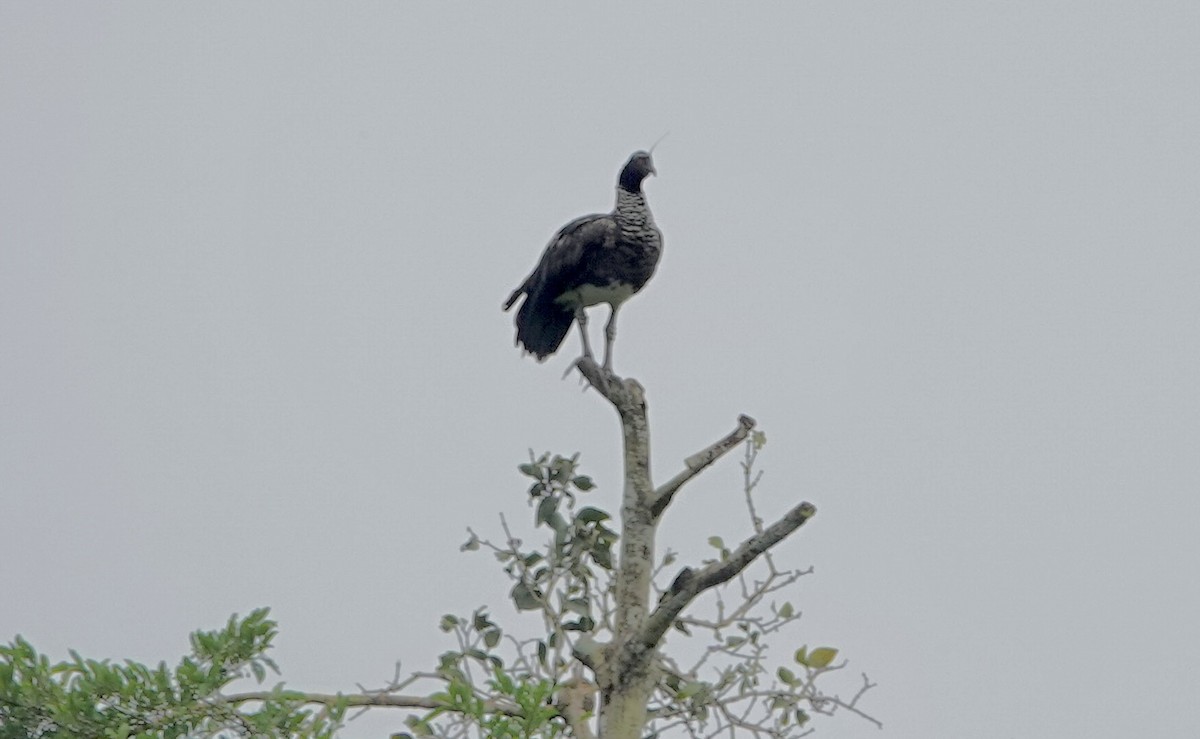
pixel 610 334
pixel 581 319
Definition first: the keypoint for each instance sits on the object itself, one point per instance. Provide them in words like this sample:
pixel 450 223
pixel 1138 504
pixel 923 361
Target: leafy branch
pixel 494 682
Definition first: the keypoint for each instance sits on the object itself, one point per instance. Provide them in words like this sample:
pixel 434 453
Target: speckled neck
pixel 633 216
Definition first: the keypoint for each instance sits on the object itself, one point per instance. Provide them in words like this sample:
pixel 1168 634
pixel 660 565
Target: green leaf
pixel 530 470
pixel 504 682
pixel 583 482
pixel 690 689
pixel 558 523
pixel 525 598
pixel 716 542
pixel 602 555
pixel 448 622
pixel 491 638
pixel 545 510
pixel 578 605
pixel 786 611
pixel 583 624
pixel 448 662
pixel 786 676
pixel 591 515
pixel 419 725
pixel 802 655
pixel 821 657
pixel 562 470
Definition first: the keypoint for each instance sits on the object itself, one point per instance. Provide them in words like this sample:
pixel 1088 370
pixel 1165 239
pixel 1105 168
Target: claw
pixel 575 366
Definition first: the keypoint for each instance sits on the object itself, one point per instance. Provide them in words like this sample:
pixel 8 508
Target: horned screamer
pixel 601 258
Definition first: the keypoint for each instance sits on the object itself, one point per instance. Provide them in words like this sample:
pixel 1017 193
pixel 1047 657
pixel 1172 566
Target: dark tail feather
pixel 513 298
pixel 542 326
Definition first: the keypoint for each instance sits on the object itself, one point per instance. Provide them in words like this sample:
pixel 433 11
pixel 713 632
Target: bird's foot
pixel 578 365
pixel 601 378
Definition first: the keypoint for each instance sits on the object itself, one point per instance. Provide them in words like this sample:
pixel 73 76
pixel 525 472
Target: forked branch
pixel 625 667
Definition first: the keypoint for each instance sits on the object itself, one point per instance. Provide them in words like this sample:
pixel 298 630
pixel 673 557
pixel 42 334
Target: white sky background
pixel 251 266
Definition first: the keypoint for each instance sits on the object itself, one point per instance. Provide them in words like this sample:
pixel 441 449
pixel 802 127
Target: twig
pixel 718 572
pixel 696 463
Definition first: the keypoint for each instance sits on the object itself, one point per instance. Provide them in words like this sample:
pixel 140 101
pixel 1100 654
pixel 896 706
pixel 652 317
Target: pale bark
pixel 624 668
pixel 364 700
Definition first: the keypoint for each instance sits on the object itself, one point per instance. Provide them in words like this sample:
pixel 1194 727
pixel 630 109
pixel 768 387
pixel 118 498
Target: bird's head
pixel 639 166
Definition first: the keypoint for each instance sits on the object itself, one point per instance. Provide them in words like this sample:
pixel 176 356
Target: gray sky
pixel 251 266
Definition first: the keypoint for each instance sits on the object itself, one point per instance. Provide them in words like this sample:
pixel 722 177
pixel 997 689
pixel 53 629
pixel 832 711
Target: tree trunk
pixel 626 679
pixel 626 668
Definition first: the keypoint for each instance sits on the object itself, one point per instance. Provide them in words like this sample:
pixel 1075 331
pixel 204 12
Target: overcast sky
pixel 251 349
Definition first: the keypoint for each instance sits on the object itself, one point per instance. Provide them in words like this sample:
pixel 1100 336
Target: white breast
pixel 614 294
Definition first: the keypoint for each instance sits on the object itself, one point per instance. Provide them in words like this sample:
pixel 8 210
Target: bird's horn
pixel 656 143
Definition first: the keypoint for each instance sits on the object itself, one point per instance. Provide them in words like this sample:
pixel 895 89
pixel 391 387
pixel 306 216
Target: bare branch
pixel 852 704
pixel 719 572
pixel 697 462
pixel 774 582
pixel 365 699
pixel 750 480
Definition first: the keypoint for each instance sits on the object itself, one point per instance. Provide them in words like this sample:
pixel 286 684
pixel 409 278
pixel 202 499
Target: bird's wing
pixel 562 263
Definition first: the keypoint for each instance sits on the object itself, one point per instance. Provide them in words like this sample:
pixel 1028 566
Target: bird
pixel 599 258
